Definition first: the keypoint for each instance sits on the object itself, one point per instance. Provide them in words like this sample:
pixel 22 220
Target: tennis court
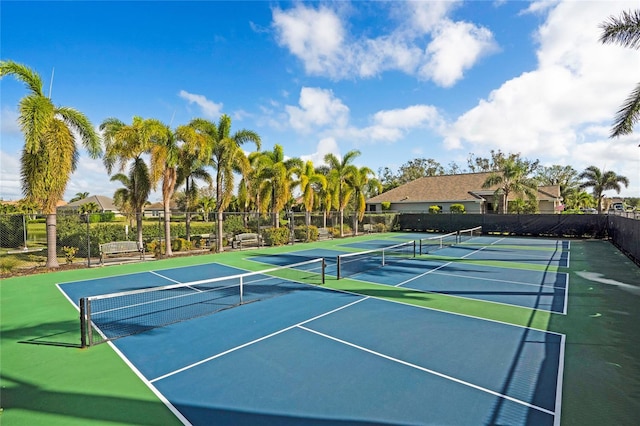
pixel 311 355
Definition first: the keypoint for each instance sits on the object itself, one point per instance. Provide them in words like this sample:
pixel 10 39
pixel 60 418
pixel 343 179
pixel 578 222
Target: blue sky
pixel 396 80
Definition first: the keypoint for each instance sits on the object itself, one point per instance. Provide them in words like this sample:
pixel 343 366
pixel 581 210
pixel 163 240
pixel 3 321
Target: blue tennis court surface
pixel 316 356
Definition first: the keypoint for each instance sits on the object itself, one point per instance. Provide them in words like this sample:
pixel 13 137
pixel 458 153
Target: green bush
pixel 380 227
pixel 69 253
pixel 180 244
pixel 457 208
pixel 386 205
pixel 300 233
pixel 8 264
pixel 434 209
pixel 234 224
pixel 156 247
pixel 276 236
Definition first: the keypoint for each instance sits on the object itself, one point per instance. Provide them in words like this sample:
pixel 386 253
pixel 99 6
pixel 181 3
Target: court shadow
pixel 61 333
pixel 19 394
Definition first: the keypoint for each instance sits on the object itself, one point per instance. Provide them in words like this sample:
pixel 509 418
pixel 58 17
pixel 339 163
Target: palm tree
pixel 325 195
pixel 126 144
pixel 50 154
pixel 79 196
pixel 164 159
pixel 207 204
pixel 363 182
pixel 89 207
pixel 190 167
pixel 601 181
pixel 275 179
pixel 225 155
pixel 310 182
pixel 133 197
pixel 511 178
pixel 338 175
pixel 624 30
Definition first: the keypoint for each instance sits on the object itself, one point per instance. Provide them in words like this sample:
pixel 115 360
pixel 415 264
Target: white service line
pixel 427 370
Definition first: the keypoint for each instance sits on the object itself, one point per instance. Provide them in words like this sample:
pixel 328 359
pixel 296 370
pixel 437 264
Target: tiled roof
pixel 105 203
pixel 450 188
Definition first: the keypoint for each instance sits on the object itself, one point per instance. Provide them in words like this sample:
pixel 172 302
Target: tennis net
pixel 353 263
pixel 467 234
pixel 430 244
pixel 112 316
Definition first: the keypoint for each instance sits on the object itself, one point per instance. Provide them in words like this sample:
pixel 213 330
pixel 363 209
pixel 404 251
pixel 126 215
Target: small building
pixel 465 189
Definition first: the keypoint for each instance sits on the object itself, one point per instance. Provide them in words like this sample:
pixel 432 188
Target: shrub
pixel 180 244
pixel 8 264
pixel 276 236
pixel 300 233
pixel 233 224
pixel 380 227
pixel 156 247
pixel 457 208
pixel 386 205
pixel 434 209
pixel 69 253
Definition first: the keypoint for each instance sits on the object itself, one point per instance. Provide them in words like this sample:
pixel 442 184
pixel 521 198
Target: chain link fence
pixel 23 239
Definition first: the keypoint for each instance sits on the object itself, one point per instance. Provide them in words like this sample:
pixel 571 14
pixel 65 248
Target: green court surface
pixel 46 378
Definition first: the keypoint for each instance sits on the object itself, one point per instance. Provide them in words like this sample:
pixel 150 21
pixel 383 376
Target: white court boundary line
pixel 429 371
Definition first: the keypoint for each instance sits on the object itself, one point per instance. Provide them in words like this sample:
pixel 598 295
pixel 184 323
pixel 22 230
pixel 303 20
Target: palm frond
pixel 36 114
pixel 24 74
pixel 628 115
pixel 623 30
pixel 83 127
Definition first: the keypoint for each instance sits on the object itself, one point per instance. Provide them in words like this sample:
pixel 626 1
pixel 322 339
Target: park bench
pixel 246 239
pixel 120 247
pixel 368 228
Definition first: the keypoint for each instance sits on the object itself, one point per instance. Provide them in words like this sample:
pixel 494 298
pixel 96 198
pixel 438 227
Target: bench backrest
pixel 246 237
pixel 118 246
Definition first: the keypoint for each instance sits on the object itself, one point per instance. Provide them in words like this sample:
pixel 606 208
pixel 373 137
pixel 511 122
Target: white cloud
pixel 455 48
pixel 561 112
pixel 319 38
pixel 317 107
pixel 9 121
pixel 10 187
pixel 325 146
pixel 209 108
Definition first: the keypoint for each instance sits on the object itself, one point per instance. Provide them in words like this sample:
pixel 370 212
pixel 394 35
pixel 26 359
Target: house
pixel 105 204
pixel 157 209
pixel 465 189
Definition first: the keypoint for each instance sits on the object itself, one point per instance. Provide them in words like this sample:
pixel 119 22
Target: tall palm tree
pixel 512 177
pixel 133 196
pixel 190 169
pixel 164 160
pixel 225 156
pixel 310 182
pixel 276 183
pixel 126 144
pixel 601 181
pixel 340 170
pixel 624 30
pixel 325 195
pixel 362 181
pixel 50 154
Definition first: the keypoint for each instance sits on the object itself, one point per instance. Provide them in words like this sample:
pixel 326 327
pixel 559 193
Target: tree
pixel 125 144
pixel 136 188
pixel 225 156
pixel 512 177
pixel 191 166
pixel 310 183
pixel 276 183
pixel 89 207
pixel 600 181
pixel 361 181
pixel 566 177
pixel 340 171
pixel 625 31
pixel 79 196
pixel 50 154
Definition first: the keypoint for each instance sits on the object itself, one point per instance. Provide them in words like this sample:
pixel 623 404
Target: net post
pixel 458 237
pixel 414 248
pixel 338 267
pixel 324 266
pixel 83 324
pixel 241 289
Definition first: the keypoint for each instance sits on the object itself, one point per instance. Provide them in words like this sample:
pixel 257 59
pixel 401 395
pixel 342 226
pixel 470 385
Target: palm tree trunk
pixel 52 252
pixel 139 227
pixel 167 231
pixel 341 222
pixel 219 236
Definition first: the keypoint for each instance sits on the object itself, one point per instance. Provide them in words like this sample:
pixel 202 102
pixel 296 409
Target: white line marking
pixel 254 341
pixel 559 381
pixel 427 370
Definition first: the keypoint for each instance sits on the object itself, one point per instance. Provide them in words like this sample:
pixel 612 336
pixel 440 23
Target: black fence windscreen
pixel 625 234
